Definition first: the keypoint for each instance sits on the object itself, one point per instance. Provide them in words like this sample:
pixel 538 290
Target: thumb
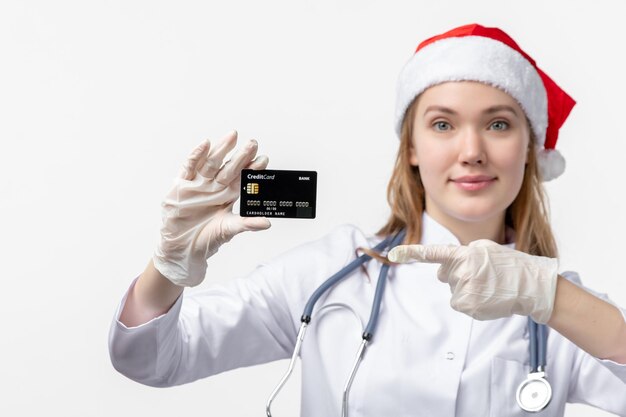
pixel 235 223
pixel 422 253
pixel 232 225
pixel 256 223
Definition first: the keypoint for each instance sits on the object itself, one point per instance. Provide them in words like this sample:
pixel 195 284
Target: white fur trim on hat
pixel 550 162
pixel 482 59
pixel 475 58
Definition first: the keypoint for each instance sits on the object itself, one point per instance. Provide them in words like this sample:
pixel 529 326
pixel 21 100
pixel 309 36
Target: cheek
pixel 434 165
pixel 434 159
pixel 512 162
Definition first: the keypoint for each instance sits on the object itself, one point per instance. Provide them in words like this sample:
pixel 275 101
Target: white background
pixel 100 102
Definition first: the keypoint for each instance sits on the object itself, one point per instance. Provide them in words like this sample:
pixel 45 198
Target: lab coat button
pixel 450 356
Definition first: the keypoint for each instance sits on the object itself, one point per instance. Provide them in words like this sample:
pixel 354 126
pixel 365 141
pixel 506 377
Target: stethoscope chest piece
pixel 535 393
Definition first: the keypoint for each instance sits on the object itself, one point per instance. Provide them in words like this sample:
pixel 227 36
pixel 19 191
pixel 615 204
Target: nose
pixel 472 148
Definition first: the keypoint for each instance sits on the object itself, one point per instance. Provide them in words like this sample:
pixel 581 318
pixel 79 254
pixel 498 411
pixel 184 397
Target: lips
pixel 474 178
pixel 473 182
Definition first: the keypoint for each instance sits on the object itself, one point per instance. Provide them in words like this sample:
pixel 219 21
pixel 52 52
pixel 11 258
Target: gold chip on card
pixel 252 188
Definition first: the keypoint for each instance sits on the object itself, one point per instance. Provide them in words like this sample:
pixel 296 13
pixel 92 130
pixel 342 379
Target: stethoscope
pixel 533 394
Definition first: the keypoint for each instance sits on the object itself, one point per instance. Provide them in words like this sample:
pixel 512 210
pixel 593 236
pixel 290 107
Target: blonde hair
pixel 527 215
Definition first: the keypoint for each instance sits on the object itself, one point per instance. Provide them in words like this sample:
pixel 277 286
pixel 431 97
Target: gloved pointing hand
pixel 488 280
pixel 197 212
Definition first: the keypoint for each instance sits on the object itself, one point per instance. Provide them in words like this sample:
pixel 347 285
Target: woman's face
pixel 470 141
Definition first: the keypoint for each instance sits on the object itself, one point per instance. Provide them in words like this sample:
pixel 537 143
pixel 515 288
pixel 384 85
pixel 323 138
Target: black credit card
pixel 278 193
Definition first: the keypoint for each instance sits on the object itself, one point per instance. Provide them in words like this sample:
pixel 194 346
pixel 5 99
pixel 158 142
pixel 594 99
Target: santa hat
pixel 477 53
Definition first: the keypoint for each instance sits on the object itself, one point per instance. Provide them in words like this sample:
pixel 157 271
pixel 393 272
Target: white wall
pixel 100 102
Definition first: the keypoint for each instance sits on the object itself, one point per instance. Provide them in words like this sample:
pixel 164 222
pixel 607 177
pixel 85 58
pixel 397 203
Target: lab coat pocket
pixel 506 376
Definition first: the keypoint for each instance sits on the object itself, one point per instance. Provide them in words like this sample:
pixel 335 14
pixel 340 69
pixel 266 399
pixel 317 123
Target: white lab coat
pixel 425 359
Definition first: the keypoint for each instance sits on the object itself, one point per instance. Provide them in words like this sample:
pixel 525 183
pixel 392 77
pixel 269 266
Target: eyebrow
pixel 489 110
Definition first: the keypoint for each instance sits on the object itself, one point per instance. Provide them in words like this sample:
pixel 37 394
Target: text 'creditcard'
pixel 278 193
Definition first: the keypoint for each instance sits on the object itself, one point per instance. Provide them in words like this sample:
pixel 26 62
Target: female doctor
pixel 478 123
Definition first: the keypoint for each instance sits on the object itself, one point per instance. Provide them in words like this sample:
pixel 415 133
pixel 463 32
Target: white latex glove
pixel 197 212
pixel 488 280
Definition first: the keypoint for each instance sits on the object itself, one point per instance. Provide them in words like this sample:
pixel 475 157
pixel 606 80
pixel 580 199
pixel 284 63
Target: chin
pixel 475 212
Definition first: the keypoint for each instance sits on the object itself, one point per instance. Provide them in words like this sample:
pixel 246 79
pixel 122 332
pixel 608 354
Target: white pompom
pixel 550 162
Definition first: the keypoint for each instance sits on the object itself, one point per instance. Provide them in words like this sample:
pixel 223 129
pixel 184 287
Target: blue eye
pixel 501 123
pixel 439 124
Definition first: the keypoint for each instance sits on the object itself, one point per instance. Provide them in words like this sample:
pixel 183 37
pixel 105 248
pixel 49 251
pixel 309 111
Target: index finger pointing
pixel 422 253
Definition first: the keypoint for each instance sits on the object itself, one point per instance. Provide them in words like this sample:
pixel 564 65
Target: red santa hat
pixel 477 53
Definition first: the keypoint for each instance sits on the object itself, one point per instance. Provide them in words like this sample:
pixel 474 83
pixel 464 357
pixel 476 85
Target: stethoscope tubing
pixel 538 335
pixel 368 333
